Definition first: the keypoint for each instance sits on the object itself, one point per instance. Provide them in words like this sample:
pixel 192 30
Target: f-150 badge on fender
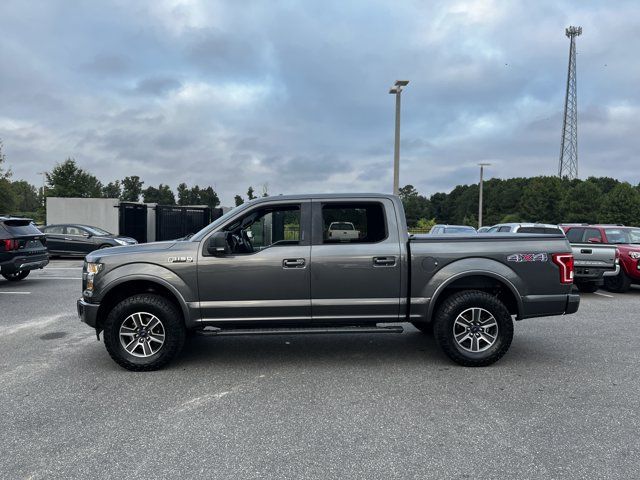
pixel 180 259
pixel 528 257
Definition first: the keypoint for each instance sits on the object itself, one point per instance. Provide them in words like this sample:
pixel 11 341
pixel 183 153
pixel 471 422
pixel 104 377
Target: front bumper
pixel 21 263
pixel 88 312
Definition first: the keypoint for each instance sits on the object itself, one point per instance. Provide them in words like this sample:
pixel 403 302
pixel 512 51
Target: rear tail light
pixel 10 245
pixel 565 264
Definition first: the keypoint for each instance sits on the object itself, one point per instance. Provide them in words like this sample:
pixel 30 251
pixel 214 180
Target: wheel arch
pixel 129 286
pixel 482 280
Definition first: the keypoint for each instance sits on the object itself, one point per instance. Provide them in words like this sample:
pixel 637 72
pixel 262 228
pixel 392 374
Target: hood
pixel 135 249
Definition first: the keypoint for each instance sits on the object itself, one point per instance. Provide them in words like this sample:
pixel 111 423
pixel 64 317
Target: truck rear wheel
pixel 621 283
pixel 473 328
pixel 144 332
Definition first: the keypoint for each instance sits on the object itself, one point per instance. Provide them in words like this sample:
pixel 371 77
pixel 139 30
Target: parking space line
pixel 15 293
pixel 603 295
pixel 40 277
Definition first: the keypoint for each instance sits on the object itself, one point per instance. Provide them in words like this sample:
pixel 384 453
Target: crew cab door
pixel 266 279
pixel 355 279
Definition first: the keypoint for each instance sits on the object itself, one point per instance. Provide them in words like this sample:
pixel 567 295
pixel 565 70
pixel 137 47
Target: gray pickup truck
pixel 269 266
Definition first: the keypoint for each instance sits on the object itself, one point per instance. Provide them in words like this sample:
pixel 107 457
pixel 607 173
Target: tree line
pixel 542 199
pixel 67 179
pixel 535 199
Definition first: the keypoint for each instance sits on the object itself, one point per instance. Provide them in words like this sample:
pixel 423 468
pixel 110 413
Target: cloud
pixel 234 94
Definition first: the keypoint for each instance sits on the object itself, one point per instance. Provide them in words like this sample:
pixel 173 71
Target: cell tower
pixel 568 166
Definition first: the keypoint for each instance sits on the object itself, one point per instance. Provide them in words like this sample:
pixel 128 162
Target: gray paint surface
pixel 340 283
pixel 97 212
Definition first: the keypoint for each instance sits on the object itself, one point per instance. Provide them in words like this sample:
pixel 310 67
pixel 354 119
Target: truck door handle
pixel 293 263
pixel 384 261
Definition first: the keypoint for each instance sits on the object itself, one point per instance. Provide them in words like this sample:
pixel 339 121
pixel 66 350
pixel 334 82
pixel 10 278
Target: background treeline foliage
pixel 535 199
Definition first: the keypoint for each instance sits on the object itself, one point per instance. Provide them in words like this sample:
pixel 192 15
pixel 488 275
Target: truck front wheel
pixel 473 328
pixel 144 332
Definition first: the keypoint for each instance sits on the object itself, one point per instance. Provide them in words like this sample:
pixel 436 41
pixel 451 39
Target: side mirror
pixel 594 240
pixel 217 244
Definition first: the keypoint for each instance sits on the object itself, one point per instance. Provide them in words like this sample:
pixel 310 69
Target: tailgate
pixel 594 256
pixel 30 239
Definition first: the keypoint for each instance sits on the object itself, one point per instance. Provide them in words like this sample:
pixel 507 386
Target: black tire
pixel 587 287
pixel 171 321
pixel 458 303
pixel 17 276
pixel 621 283
pixel 424 327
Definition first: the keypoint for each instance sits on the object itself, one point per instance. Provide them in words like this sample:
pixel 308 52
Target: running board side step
pixel 218 332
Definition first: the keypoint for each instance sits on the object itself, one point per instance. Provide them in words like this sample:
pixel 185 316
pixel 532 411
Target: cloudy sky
pixel 294 94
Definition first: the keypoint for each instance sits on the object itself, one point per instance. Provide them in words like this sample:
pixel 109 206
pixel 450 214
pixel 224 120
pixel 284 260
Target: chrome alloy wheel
pixel 475 330
pixel 142 334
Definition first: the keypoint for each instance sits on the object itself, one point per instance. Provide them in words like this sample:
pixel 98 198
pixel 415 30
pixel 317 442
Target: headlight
pixel 94 267
pixel 634 255
pixel 92 270
pixel 121 242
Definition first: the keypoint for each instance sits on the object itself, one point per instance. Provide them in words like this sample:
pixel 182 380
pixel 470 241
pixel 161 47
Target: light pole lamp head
pixel 397 87
pixel 573 31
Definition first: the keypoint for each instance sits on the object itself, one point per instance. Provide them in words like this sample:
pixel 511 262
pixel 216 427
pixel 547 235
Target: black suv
pixel 22 248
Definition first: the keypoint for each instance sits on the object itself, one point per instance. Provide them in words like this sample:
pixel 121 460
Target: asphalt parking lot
pixel 563 403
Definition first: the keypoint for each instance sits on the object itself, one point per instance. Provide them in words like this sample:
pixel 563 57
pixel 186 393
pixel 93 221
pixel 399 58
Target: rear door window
pixel 504 229
pixel 74 231
pixel 368 220
pixel 55 229
pixel 592 233
pixel 574 235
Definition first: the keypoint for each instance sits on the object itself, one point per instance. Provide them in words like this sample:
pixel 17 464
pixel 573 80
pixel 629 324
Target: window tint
pixel 574 235
pixel 367 219
pixel 547 230
pixel 459 230
pixel 74 231
pixel 270 226
pixel 592 233
pixel 493 229
pixel 504 229
pixel 59 229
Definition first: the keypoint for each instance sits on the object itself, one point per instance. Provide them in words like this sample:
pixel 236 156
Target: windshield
pixel 199 235
pixel 622 235
pixel 459 230
pixel 96 231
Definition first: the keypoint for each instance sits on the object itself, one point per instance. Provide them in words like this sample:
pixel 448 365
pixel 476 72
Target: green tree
pixel 161 195
pixel 112 190
pixel 131 189
pixel 581 202
pixel 183 194
pixel 238 199
pixel 26 196
pixel 605 184
pixel 66 179
pixel 250 194
pixel 7 197
pixel 541 200
pixel 209 197
pixel 415 205
pixel 621 205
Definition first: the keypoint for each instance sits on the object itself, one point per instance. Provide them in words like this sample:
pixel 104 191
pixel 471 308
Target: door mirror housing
pixel 217 244
pixel 594 240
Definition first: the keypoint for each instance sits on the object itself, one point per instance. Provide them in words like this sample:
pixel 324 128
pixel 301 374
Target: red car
pixel 627 239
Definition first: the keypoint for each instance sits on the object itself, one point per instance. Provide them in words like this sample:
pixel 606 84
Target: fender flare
pixel 475 273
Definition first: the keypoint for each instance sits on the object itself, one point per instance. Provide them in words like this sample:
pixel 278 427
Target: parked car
pixel 342 231
pixel 544 228
pixel 452 229
pixel 144 298
pixel 593 262
pixel 22 248
pixel 627 241
pixel 78 240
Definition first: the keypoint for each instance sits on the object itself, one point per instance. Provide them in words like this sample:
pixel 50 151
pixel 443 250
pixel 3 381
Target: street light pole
pixel 482 165
pixel 397 91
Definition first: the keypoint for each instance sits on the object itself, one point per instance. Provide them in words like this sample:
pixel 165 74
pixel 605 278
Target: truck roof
pixel 321 196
